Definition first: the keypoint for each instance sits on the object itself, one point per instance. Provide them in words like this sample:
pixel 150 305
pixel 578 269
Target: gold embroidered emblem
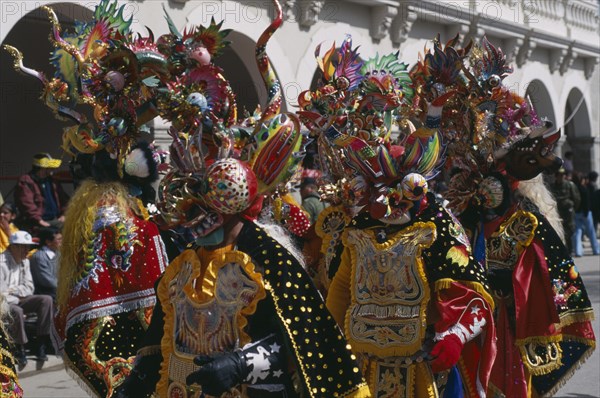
pixel 505 246
pixel 212 323
pixel 389 291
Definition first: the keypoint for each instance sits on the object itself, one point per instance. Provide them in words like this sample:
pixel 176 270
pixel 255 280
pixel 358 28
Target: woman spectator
pixel 583 218
pixel 8 213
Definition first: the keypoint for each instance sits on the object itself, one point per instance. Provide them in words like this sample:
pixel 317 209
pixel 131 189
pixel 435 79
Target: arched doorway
pixel 538 95
pixel 578 131
pixel 27 125
pixel 240 69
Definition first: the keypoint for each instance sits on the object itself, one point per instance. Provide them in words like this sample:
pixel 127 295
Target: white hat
pixel 21 238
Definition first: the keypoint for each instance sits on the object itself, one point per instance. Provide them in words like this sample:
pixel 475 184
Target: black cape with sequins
pixel 319 349
pixel 439 265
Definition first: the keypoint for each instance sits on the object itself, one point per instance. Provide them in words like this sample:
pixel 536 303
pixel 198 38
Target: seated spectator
pixel 8 213
pixel 44 262
pixel 311 200
pixel 41 200
pixel 16 285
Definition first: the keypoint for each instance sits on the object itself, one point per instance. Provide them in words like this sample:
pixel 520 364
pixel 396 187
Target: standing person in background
pixel 311 200
pixel 16 284
pixel 568 164
pixel 583 218
pixel 41 201
pixel 44 262
pixel 8 213
pixel 568 199
pixel 595 203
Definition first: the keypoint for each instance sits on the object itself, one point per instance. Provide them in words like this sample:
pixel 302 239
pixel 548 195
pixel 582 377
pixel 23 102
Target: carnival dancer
pixel 240 315
pixel 405 287
pixel 543 310
pixel 112 254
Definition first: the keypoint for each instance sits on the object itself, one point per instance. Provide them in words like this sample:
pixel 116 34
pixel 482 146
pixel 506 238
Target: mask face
pixel 212 239
pixel 531 157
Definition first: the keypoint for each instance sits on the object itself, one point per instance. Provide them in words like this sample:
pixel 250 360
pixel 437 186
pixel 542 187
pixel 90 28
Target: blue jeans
pixel 584 224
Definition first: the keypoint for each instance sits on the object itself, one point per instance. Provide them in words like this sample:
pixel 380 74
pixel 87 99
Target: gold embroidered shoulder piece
pixel 506 245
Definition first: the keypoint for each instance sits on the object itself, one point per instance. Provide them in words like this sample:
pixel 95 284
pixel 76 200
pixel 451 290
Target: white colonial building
pixel 554 46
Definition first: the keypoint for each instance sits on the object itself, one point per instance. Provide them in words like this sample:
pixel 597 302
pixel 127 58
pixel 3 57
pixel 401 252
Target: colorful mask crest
pixel 353 113
pixel 495 132
pixel 103 66
pixel 220 165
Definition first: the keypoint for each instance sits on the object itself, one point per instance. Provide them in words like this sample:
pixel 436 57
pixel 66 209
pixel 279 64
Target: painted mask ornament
pixel 220 166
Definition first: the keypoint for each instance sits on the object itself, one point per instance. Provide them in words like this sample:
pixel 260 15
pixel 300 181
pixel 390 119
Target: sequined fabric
pixel 9 382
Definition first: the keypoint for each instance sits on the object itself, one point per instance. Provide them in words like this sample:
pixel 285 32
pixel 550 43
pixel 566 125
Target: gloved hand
pixel 142 380
pixel 445 353
pixel 219 372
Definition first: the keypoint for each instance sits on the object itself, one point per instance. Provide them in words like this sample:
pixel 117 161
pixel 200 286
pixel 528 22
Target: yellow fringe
pixel 446 283
pixel 539 339
pixel 563 380
pixel 543 369
pixel 77 230
pixel 570 317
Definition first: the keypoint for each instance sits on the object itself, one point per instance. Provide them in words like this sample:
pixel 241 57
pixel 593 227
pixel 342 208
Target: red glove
pixel 445 353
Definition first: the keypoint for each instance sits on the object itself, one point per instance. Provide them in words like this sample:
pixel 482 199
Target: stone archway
pixel 27 125
pixel 578 131
pixel 538 95
pixel 239 66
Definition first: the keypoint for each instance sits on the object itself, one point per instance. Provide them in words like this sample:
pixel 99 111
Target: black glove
pixel 219 372
pixel 142 380
pixel 261 362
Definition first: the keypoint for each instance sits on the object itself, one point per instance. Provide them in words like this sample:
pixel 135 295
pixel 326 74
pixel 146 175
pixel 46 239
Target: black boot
pixel 21 357
pixel 40 355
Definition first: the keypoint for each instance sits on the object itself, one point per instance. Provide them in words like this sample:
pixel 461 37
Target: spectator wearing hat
pixel 311 200
pixel 16 285
pixel 41 200
pixel 567 199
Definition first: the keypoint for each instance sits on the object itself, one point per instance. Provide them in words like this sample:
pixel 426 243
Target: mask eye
pixel 545 151
pixel 531 161
pixel 494 80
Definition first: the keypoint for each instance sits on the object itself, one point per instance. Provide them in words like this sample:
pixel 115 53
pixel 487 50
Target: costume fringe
pixel 78 377
pixel 446 283
pixel 78 229
pixel 563 380
pixel 539 339
pixel 577 316
pixel 118 308
pixel 542 369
